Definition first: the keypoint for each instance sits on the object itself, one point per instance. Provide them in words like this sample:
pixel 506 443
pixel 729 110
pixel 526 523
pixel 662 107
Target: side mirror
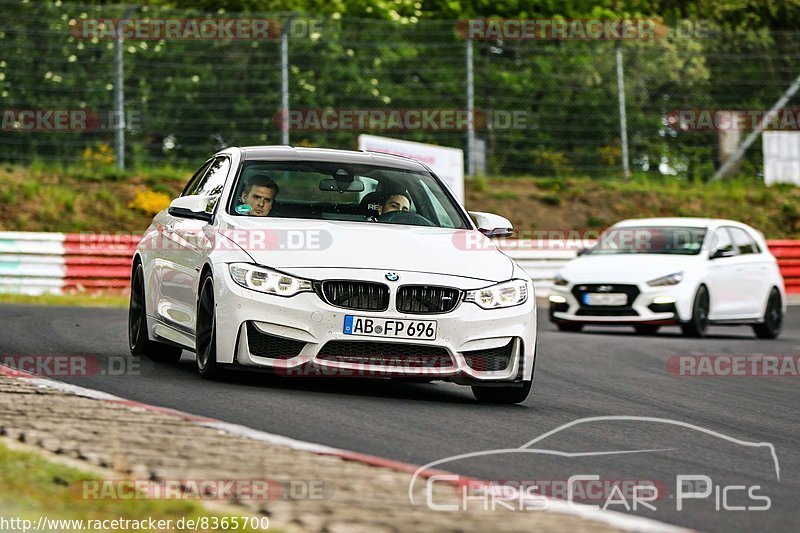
pixel 722 253
pixel 192 206
pixel 492 225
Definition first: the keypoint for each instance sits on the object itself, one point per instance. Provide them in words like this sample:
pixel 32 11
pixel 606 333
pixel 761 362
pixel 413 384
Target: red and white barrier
pixel 788 254
pixel 39 263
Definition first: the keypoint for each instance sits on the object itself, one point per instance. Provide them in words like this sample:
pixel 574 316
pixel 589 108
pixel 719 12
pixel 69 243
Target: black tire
pixel 138 339
pixel 206 332
pixel 770 328
pixel 698 324
pixel 646 329
pixel 503 395
pixel 569 326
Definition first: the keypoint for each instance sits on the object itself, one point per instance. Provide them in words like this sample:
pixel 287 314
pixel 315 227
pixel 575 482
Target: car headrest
pixel 371 203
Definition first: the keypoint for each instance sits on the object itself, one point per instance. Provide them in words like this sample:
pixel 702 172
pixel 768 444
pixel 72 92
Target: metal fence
pixel 539 106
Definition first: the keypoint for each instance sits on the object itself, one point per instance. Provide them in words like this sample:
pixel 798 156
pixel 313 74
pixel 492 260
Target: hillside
pixel 39 199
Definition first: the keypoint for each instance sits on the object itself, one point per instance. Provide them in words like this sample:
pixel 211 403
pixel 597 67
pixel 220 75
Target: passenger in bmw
pixel 259 194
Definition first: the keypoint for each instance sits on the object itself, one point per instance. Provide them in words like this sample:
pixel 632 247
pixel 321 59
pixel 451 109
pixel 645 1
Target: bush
pixel 149 202
pixel 99 155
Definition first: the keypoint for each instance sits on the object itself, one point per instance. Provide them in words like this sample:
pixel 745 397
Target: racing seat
pixel 370 205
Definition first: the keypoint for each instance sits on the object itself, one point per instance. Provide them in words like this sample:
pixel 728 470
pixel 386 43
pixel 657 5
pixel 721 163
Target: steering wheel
pixel 404 217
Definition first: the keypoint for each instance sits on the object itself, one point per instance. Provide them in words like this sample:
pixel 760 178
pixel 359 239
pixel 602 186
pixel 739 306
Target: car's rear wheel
pixel 568 326
pixel 138 339
pixel 646 329
pixel 698 324
pixel 505 395
pixel 206 332
pixel 770 328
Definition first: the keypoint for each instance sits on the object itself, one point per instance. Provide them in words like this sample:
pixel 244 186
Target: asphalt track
pixel 600 372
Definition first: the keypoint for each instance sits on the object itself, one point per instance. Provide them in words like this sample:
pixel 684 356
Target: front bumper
pixel 308 323
pixel 646 305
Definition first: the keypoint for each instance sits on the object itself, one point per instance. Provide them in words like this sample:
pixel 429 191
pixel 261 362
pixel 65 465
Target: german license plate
pixel 389 327
pixel 605 298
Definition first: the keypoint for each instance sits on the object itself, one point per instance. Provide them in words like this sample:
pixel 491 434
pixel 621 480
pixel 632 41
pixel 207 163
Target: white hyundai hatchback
pixel 690 272
pixel 314 262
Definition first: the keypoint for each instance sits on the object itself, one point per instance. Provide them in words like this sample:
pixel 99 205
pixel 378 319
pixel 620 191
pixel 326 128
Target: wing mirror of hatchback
pixel 492 225
pixel 195 206
pixel 722 253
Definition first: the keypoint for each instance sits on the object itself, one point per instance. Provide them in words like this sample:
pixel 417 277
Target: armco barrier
pixel 542 262
pixel 788 254
pixel 97 261
pixel 38 263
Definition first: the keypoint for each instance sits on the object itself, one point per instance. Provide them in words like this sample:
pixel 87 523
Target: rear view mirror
pixel 341 185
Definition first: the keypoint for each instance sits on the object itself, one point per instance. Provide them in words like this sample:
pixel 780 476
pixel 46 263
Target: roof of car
pixel 679 221
pixel 290 153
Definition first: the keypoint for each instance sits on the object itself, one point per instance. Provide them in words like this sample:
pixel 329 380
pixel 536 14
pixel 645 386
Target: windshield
pixel 673 240
pixel 342 191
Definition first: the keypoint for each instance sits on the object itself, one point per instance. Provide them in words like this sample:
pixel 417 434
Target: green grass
pixel 31 486
pixel 503 195
pixel 579 202
pixel 105 173
pixel 72 300
pixel 48 197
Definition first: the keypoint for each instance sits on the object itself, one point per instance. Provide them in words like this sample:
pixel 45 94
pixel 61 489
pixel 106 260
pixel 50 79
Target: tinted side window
pixel 195 181
pixel 743 242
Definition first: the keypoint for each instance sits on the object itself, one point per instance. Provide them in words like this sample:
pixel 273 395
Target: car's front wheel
pixel 138 339
pixel 698 324
pixel 206 332
pixel 770 328
pixel 505 395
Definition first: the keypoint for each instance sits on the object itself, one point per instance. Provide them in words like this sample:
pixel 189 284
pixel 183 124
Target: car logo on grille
pixel 605 288
pixel 391 276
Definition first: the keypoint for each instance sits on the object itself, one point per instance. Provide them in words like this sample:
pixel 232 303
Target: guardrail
pixel 541 263
pixel 38 263
pixel 788 254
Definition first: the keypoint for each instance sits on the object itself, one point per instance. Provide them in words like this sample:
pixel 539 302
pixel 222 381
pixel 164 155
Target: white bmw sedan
pixel 314 262
pixel 690 272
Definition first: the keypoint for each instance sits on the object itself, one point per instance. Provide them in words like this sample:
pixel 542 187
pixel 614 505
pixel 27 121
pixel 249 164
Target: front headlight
pixel 672 279
pixel 268 281
pixel 506 294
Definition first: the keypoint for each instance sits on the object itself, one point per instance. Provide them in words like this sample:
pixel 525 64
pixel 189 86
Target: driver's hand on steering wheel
pixel 405 217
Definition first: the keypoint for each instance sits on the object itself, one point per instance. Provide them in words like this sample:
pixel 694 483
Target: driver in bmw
pixel 395 202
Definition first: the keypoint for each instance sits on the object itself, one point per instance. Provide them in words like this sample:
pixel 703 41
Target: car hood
pixel 295 246
pixel 625 268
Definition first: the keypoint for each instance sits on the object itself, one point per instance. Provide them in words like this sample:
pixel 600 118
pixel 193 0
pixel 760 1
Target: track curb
pixel 614 519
